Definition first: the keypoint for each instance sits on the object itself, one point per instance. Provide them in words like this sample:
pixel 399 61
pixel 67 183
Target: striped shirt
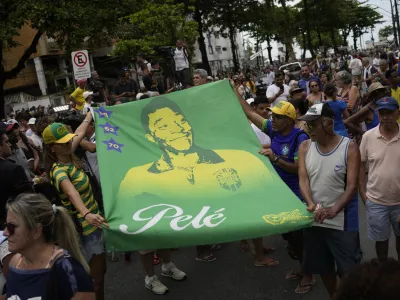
pixel 81 182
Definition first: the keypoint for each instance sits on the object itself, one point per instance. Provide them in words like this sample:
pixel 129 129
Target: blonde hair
pixel 58 227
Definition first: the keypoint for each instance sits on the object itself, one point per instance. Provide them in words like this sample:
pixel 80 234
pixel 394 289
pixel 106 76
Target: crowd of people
pixel 327 135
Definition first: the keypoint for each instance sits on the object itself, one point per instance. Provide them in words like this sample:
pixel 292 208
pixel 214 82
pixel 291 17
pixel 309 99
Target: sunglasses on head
pixel 10 228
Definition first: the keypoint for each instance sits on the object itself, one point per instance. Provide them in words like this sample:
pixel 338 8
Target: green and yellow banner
pixel 184 169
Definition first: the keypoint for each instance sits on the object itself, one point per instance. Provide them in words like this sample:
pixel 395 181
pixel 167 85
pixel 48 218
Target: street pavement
pixel 232 276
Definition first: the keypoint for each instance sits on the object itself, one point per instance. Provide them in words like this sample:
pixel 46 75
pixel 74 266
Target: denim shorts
pixel 380 220
pixel 93 244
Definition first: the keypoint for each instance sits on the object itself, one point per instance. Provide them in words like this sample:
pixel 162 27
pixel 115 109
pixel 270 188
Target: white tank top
pixel 327 175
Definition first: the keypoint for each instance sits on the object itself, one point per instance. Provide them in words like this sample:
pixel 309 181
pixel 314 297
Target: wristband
pixel 84 217
pixel 277 158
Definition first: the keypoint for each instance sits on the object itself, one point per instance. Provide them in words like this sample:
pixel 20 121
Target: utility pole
pixel 397 19
pixel 394 25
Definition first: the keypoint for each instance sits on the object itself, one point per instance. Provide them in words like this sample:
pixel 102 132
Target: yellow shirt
pixel 237 173
pixel 79 99
pixel 395 93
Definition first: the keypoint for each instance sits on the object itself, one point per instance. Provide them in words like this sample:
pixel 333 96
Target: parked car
pixel 293 68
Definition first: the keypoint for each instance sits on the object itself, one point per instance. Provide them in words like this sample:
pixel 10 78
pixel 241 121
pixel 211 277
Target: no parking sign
pixel 80 61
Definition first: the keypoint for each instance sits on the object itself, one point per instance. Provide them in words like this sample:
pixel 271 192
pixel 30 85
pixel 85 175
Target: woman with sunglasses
pixel 48 262
pixel 66 174
pixel 315 96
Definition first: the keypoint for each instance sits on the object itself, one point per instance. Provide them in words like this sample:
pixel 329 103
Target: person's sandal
pixel 306 287
pixel 294 275
pixel 263 263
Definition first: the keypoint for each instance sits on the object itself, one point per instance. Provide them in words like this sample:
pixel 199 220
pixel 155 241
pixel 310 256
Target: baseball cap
pixel 56 133
pixel 32 121
pixel 87 94
pixel 11 124
pixel 295 88
pixel 284 108
pixel 250 101
pixel 387 103
pixel 317 111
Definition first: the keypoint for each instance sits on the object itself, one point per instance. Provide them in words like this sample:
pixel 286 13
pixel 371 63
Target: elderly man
pixel 328 177
pixel 200 77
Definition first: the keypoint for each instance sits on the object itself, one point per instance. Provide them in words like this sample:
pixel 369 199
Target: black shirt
pixel 97 86
pixel 13 181
pixel 129 87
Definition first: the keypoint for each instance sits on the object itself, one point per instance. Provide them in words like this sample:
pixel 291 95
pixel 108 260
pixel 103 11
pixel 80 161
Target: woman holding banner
pixel 66 174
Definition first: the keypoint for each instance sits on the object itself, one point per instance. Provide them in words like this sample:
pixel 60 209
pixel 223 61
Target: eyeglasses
pixel 278 117
pixel 10 228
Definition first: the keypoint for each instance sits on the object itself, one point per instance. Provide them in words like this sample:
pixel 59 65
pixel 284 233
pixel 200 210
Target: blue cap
pixel 387 103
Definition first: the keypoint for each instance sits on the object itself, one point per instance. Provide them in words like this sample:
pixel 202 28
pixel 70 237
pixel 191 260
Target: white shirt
pixel 376 63
pixel 92 160
pixel 262 137
pixel 355 66
pixel 274 89
pixel 181 61
pixel 269 78
pixel 37 140
pixel 29 132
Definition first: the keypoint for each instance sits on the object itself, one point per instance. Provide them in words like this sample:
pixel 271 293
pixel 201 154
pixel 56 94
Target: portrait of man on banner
pixel 185 169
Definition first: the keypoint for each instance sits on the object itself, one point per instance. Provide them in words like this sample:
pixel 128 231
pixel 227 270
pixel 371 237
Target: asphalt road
pixel 231 277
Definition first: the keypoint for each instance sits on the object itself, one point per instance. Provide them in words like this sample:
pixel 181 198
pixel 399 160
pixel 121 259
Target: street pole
pixel 394 25
pixel 397 20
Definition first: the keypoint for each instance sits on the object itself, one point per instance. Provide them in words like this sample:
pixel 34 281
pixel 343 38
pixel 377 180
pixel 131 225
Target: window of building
pixel 224 49
pixel 218 49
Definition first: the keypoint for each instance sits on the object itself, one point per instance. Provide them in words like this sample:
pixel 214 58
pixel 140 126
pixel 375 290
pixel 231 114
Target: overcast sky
pixel 382 6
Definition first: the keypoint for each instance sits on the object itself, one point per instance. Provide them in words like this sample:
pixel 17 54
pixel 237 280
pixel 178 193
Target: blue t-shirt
pixel 338 107
pixel 287 148
pixel 33 284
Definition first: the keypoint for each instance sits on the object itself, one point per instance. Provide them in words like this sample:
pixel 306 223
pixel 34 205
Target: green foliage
pixel 386 31
pixel 155 25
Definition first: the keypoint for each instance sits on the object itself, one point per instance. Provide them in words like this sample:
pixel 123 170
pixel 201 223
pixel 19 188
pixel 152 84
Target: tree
pixel 68 22
pixel 155 25
pixel 386 31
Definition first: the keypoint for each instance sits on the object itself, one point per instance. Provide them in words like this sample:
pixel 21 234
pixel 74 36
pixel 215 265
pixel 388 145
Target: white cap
pixel 139 95
pixel 32 121
pixel 12 121
pixel 250 101
pixel 87 94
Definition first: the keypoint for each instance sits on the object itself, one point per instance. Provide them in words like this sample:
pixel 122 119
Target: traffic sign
pixel 80 61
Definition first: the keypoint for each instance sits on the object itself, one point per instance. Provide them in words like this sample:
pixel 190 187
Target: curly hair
pixel 377 279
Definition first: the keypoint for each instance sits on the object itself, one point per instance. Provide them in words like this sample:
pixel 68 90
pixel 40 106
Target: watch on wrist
pixel 276 159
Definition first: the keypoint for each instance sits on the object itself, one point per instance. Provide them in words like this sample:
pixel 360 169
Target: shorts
pixel 379 220
pixel 183 76
pixel 93 244
pixel 325 247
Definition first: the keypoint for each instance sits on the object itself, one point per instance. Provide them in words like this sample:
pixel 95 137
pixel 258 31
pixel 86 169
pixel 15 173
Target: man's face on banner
pixel 170 129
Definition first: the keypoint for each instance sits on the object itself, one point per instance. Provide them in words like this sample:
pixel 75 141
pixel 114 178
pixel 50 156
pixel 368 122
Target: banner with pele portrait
pixel 184 169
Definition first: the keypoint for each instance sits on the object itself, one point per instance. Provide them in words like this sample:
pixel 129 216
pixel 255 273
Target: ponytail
pixel 65 235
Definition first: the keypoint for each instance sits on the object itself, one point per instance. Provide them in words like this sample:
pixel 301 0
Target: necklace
pixel 23 259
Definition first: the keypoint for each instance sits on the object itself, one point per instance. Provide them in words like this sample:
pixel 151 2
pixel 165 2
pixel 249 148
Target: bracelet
pixel 276 159
pixel 84 217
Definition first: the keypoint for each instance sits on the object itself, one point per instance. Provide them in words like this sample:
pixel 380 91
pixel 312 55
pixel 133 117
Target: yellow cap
pixel 56 133
pixel 284 108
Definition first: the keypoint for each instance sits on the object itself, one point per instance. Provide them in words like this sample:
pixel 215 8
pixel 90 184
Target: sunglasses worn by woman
pixel 48 262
